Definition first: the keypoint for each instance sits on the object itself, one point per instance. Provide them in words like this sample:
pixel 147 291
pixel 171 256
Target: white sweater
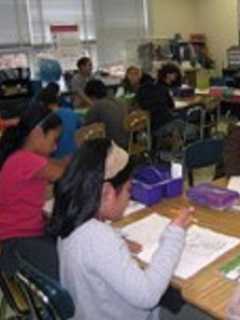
pixel 104 280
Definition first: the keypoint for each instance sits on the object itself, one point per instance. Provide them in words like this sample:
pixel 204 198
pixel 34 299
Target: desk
pixel 208 289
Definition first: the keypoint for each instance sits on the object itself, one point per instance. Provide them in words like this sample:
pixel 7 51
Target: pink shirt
pixel 22 194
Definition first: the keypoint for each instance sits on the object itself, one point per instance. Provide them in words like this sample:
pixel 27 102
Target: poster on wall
pixel 66 44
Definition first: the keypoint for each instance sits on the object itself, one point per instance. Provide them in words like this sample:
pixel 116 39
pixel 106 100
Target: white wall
pixel 218 19
pixel 172 16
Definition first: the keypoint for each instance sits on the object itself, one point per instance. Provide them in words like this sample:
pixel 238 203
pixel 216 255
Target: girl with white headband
pixel 96 266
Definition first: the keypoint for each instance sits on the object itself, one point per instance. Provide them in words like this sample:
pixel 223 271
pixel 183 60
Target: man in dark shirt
pixel 108 111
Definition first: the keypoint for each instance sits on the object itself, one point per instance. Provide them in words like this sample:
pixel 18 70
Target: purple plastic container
pixel 151 184
pixel 173 187
pixel 211 196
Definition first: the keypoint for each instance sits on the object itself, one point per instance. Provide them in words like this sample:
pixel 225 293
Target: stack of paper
pixel 202 91
pixel 180 104
pixel 203 246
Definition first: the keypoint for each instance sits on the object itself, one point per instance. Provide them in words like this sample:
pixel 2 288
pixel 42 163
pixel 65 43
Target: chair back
pixel 12 296
pixel 137 123
pixel 90 132
pixel 212 114
pixel 45 295
pixel 31 294
pixel 201 154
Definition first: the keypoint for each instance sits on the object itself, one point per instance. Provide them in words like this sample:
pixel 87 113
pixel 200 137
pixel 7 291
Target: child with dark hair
pixel 157 99
pixel 108 111
pixel 96 266
pixel 25 171
pixel 48 99
pixel 170 74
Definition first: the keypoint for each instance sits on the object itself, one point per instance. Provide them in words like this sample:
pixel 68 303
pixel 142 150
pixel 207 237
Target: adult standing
pixel 79 81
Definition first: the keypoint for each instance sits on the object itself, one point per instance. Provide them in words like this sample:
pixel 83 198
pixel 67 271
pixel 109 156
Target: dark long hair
pixel 49 94
pixel 169 68
pixel 14 137
pixel 78 193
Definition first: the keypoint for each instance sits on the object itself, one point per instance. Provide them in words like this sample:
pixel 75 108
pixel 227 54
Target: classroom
pixel 119 159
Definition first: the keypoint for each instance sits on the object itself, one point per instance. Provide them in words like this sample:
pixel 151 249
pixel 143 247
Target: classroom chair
pixel 33 295
pixel 194 125
pixel 90 132
pixel 201 154
pixel 137 123
pixel 212 115
pixel 13 297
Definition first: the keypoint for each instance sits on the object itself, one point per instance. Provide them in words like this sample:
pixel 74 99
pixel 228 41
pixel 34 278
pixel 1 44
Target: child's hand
pixel 185 217
pixel 134 247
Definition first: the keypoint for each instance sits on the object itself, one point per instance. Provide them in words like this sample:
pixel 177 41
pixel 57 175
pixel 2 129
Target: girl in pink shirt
pixel 25 170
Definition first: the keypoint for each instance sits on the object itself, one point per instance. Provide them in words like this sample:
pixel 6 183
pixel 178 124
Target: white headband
pixel 116 161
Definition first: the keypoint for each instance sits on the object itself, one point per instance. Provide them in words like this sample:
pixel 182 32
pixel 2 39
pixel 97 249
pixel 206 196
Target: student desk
pixel 208 289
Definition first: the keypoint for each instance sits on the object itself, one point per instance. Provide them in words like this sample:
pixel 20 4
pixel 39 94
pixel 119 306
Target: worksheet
pixel 202 247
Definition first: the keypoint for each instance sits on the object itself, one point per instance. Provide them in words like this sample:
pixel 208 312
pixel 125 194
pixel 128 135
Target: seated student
pixel 54 89
pixel 157 99
pixel 134 78
pixel 96 266
pixel 49 97
pixel 25 170
pixel 232 152
pixel 108 111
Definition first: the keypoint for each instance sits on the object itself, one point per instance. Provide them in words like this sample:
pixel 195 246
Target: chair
pixel 137 123
pixel 38 297
pixel 201 154
pixel 194 121
pixel 14 297
pixel 212 115
pixel 90 132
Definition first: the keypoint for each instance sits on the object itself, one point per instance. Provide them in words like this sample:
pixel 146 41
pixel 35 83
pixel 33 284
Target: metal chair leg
pixel 190 178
